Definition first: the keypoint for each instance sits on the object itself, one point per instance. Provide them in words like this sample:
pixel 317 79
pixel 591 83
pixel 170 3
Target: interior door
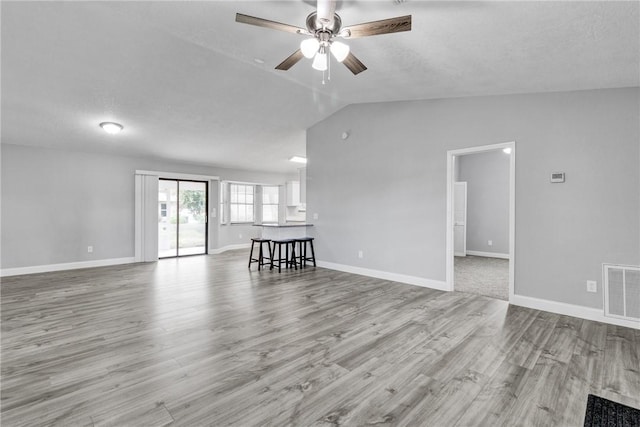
pixel 460 219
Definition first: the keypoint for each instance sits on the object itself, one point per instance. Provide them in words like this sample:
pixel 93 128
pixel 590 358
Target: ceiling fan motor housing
pixel 315 26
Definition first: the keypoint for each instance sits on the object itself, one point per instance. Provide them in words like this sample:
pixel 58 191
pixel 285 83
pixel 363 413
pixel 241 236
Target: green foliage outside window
pixel 193 200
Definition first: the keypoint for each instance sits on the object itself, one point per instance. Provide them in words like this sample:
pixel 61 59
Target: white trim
pixel 64 266
pixel 229 248
pixel 512 209
pixel 488 254
pixel 589 313
pixel 177 175
pixel 395 277
pixel 466 200
pixel 251 183
pixel 138 223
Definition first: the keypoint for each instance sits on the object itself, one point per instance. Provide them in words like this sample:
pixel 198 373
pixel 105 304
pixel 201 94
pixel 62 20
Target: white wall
pixel 487 178
pixel 383 190
pixel 55 203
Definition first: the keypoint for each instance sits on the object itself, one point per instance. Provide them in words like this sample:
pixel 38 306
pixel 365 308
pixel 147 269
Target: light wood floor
pixel 204 341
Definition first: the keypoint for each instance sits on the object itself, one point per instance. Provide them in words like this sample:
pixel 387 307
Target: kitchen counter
pixel 288 224
pixel 289 230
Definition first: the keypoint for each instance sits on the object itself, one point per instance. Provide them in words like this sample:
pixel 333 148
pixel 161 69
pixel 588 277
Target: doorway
pixel 481 220
pixel 182 217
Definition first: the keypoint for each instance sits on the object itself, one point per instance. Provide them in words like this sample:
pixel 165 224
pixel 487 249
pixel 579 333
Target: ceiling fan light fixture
pixel 339 50
pixel 309 47
pixel 320 61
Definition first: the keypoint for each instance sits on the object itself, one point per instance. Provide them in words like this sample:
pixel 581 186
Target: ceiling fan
pixel 324 26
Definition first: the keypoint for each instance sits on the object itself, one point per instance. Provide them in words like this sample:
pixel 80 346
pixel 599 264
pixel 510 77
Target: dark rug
pixel 606 413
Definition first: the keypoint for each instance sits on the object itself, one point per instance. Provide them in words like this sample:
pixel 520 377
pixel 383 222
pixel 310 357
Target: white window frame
pixel 252 204
pixel 277 205
pixel 223 202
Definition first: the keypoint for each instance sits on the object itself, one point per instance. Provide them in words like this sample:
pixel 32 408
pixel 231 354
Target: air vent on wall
pixel 621 291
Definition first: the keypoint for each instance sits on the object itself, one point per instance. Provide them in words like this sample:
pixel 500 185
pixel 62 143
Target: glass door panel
pixel 167 218
pixel 182 218
pixel 192 237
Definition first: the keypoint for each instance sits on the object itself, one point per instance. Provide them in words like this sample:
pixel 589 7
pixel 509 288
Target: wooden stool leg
pixel 303 259
pixel 270 255
pixel 294 261
pixel 260 257
pixel 287 261
pixel 313 253
pixel 251 253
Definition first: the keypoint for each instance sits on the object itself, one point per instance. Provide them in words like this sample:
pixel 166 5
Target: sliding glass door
pixel 182 218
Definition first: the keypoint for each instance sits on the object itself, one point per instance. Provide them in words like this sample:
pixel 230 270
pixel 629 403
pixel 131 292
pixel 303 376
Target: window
pixel 223 196
pixel 241 203
pixel 163 210
pixel 270 203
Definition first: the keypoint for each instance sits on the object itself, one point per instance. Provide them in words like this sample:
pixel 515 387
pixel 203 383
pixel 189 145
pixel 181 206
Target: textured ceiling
pixel 181 76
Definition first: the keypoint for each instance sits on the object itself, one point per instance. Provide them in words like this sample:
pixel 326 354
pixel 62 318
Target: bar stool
pixel 288 262
pixel 303 251
pixel 261 253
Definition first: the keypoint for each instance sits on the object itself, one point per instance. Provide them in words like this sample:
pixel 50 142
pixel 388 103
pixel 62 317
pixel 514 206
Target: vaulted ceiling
pixel 182 77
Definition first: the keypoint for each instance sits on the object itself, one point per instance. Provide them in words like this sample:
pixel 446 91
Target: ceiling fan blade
pixel 290 61
pixel 273 25
pixel 385 26
pixel 353 64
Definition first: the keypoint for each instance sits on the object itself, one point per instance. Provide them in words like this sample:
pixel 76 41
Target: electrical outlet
pixel 315 216
pixel 360 254
pixel 592 286
pixel 490 242
pixel 90 249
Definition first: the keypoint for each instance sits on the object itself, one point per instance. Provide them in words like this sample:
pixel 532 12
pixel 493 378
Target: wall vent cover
pixel 621 291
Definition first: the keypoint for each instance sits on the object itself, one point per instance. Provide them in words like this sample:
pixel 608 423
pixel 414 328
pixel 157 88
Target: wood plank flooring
pixel 205 341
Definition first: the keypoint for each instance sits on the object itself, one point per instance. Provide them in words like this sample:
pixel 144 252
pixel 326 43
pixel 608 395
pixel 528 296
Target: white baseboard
pixel 5 272
pixel 579 311
pixel 402 278
pixel 229 248
pixel 488 254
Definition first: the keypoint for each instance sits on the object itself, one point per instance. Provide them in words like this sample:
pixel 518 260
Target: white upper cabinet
pixel 293 193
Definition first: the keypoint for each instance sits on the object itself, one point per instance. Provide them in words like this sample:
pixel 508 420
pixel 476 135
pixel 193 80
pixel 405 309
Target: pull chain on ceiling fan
pixel 323 26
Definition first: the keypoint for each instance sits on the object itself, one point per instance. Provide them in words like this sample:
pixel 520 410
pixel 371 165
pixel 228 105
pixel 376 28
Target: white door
pixel 460 219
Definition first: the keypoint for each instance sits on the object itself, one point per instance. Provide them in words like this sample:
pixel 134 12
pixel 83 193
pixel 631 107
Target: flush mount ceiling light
pixel 298 159
pixel 322 27
pixel 111 127
pixel 506 150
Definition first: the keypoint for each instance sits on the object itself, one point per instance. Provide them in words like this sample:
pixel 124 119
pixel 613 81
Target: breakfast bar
pixel 289 230
pixel 289 239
